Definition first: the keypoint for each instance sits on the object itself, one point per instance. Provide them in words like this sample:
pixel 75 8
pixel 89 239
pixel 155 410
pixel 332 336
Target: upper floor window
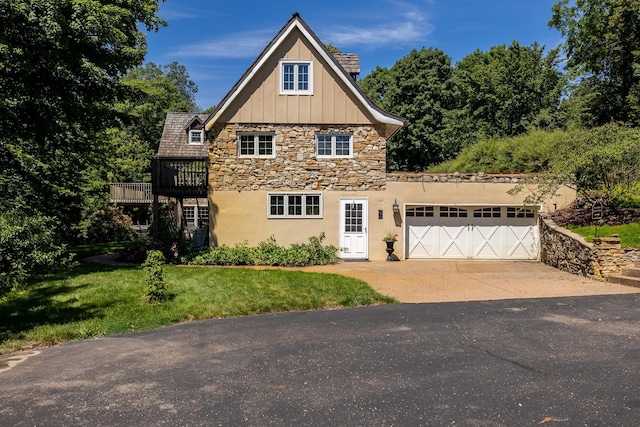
pixel 296 77
pixel 196 137
pixel 334 145
pixel 256 145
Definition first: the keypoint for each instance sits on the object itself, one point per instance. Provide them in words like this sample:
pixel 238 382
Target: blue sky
pixel 217 41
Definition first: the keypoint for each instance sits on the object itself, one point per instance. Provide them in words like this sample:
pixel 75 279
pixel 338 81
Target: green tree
pixel 125 149
pixel 418 87
pixel 603 54
pixel 155 90
pixel 603 161
pixel 60 68
pixel 504 92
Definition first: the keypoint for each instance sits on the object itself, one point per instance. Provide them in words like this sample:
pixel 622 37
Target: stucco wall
pixel 239 215
pixel 477 187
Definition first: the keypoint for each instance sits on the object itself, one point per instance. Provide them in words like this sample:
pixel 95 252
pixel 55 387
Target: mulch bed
pixel 582 216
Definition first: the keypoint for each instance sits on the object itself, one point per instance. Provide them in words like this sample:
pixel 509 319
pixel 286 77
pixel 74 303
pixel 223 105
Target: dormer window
pixel 196 136
pixel 296 77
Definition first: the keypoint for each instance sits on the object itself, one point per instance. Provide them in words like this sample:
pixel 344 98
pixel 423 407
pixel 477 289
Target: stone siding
pixel 611 257
pixel 295 166
pixel 457 177
pixel 568 251
pixel 565 250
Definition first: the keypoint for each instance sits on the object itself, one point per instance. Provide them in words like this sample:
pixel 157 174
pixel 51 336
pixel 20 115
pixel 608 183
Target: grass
pixel 84 251
pixel 95 300
pixel 629 233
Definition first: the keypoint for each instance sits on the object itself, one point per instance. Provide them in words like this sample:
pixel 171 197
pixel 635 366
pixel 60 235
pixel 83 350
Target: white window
pixel 334 145
pixel 295 205
pixel 520 213
pixel 420 211
pixel 256 145
pixel 203 215
pixel 189 213
pixel 296 77
pixel 486 213
pixel 197 216
pixel 196 137
pixel 449 212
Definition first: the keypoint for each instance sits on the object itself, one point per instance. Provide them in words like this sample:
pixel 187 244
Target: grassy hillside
pixel 532 152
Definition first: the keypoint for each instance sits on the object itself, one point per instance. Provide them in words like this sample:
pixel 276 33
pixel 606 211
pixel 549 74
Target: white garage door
pixel 496 232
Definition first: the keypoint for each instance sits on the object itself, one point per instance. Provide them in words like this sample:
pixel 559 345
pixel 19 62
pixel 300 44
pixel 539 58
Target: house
pixel 179 172
pixel 296 149
pixel 179 178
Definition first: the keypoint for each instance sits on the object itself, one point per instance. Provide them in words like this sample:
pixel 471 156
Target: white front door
pixel 354 235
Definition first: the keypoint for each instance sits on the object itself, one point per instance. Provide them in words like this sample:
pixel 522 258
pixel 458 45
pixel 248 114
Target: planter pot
pixel 389 249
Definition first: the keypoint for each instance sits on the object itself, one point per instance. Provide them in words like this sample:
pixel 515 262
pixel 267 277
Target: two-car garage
pixel 471 232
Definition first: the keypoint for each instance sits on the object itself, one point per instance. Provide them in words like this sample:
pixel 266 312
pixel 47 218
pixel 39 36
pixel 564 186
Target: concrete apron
pixel 424 281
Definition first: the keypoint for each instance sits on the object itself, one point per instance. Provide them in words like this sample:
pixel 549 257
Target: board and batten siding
pixel 261 102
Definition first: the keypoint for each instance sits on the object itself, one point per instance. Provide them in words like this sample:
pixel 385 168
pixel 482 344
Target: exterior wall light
pixel 396 208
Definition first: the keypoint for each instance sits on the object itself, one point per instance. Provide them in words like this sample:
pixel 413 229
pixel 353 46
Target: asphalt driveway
pixel 523 362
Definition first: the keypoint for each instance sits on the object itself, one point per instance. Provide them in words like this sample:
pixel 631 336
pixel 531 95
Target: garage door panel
pixel 422 241
pixel 472 237
pixel 522 242
pixel 487 242
pixel 453 242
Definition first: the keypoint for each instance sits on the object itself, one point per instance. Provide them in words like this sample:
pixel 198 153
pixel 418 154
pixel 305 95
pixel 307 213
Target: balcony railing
pixel 131 193
pixel 179 177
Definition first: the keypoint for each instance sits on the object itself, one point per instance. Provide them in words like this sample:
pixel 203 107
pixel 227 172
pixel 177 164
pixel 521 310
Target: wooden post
pixel 156 217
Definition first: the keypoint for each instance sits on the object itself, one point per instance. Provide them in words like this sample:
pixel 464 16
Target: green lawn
pixel 629 233
pixel 95 300
pixel 83 251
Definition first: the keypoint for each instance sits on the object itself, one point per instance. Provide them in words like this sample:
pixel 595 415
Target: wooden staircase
pixel 628 276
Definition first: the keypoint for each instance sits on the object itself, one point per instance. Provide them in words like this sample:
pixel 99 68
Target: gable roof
pixel 392 122
pixel 175 136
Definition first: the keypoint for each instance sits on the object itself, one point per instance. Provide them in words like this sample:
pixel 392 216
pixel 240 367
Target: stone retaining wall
pixel 568 251
pixel 457 177
pixel 611 257
pixel 565 250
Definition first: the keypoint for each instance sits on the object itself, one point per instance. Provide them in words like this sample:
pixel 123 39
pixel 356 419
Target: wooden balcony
pixel 130 193
pixel 179 177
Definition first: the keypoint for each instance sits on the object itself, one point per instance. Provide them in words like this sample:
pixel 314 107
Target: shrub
pixel 109 224
pixel 28 246
pixel 154 277
pixel 528 153
pixel 136 252
pixel 240 254
pixel 269 252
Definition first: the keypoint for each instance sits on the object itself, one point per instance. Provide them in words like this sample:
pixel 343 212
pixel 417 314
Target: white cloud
pixel 238 45
pixel 393 34
pixel 405 23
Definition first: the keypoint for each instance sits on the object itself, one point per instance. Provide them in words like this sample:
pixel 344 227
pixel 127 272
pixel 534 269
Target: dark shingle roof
pixel 350 62
pixel 175 137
